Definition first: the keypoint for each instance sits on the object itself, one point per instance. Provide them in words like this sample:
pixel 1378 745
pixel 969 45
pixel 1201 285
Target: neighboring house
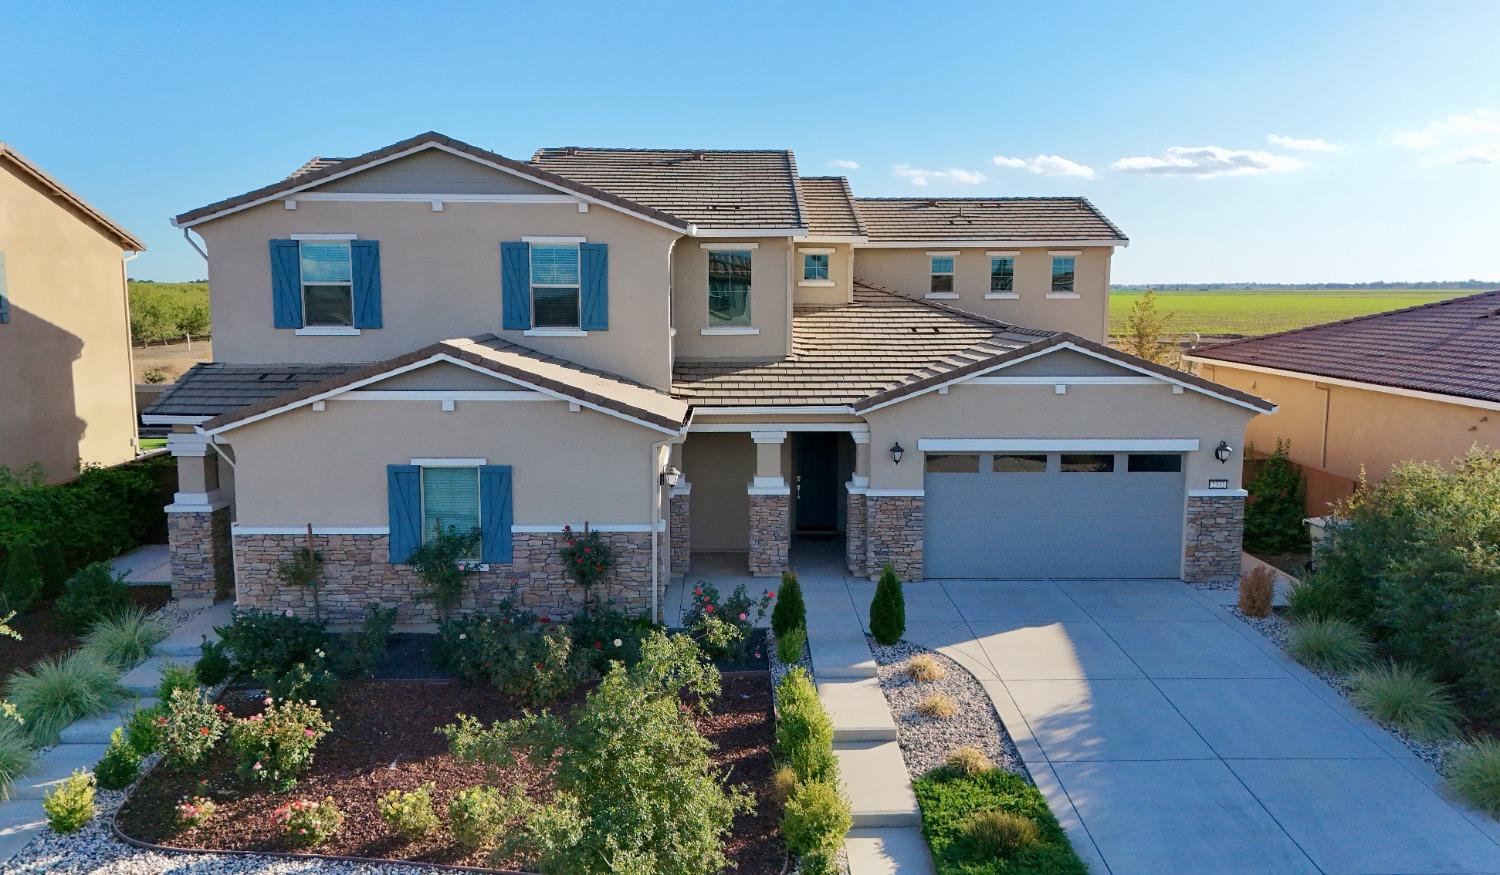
pixel 689 350
pixel 1364 394
pixel 66 387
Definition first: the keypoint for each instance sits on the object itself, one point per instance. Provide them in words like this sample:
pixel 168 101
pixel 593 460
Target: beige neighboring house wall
pixel 770 310
pixel 66 387
pixel 1344 429
pixel 840 287
pixel 908 271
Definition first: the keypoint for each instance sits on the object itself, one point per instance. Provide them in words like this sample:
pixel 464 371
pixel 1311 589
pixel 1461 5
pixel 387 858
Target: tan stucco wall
pixel 440 278
pixel 840 273
pixel 66 388
pixel 720 466
pixel 1086 411
pixel 1365 428
pixel 909 271
pixel 328 468
pixel 770 267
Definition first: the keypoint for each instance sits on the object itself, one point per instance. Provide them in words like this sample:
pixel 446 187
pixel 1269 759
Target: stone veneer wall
pixel 854 534
pixel 770 534
pixel 893 533
pixel 680 533
pixel 1215 537
pixel 356 572
pixel 202 564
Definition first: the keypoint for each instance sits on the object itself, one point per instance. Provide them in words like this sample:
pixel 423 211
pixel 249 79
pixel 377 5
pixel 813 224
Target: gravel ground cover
pixel 927 741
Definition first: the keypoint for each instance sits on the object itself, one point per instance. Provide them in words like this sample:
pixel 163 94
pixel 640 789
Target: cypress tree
pixel 790 611
pixel 888 609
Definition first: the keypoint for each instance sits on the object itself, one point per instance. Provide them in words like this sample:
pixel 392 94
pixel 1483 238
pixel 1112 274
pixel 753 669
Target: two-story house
pixel 692 351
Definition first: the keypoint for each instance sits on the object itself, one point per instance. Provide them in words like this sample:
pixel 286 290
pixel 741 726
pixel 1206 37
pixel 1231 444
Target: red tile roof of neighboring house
pixel 1449 347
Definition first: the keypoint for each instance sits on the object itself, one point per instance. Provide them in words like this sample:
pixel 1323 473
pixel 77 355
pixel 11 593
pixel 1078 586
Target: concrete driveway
pixel 1170 737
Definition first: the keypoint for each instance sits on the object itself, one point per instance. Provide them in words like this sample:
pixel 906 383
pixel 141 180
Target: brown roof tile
pixel 212 388
pixel 1016 219
pixel 1448 347
pixel 315 164
pixel 830 206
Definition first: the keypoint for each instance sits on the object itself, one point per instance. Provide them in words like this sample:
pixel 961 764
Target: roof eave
pixel 127 240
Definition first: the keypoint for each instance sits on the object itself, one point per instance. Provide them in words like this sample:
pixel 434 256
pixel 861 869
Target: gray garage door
pixel 1054 515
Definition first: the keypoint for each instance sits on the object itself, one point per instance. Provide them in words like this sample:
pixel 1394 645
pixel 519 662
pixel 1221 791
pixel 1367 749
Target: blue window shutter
pixel 495 513
pixel 286 283
pixel 594 295
pixel 365 255
pixel 404 497
pixel 4 295
pixel 515 285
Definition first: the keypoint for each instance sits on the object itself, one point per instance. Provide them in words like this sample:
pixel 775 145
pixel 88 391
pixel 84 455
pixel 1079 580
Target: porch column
pixel 770 507
pixel 679 518
pixel 854 519
pixel 198 523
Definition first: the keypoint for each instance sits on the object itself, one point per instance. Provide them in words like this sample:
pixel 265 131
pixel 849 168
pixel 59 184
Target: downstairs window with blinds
pixel 450 500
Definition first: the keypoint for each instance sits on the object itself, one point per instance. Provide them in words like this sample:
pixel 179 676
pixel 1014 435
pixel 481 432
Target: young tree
pixel 304 571
pixel 1274 513
pixel 888 609
pixel 1144 328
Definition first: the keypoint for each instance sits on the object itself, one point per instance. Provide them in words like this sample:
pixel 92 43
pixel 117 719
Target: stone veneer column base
pixel 854 534
pixel 356 573
pixel 680 533
pixel 202 564
pixel 770 534
pixel 893 534
pixel 1215 538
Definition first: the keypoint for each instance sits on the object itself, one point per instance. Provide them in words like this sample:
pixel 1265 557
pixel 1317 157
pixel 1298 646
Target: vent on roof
pixel 699 155
pixel 571 151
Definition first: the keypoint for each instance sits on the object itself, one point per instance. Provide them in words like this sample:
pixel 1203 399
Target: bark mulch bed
pixel 383 739
pixel 41 636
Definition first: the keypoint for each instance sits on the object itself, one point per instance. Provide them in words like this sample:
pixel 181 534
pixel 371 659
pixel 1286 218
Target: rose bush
pixel 276 746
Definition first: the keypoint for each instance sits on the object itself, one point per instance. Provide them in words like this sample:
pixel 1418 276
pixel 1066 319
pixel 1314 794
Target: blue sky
pixel 1385 162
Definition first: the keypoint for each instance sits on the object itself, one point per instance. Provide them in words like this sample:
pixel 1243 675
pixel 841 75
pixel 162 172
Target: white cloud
pixel 1477 123
pixel 1489 153
pixel 844 164
pixel 1304 144
pixel 953 175
pixel 1047 165
pixel 1206 162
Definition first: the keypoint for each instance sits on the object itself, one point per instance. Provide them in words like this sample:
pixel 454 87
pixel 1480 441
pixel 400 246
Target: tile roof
pixel 738 188
pixel 843 354
pixel 212 388
pixel 1448 347
pixel 830 206
pixel 314 164
pixel 1017 219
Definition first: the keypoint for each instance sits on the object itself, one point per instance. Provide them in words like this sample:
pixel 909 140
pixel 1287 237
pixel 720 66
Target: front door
pixel 817 485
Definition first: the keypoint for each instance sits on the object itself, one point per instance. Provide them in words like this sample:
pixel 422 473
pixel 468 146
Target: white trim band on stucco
pixel 768 490
pixel 1057 445
pixel 683 487
pixel 197 502
pixel 1044 380
pixel 895 493
pixel 439 462
pixel 328 331
pixel 768 437
pixel 238 529
pixel 729 331
pixel 813 409
pixel 1351 384
pixel 444 395
pixel 179 444
pixel 728 247
pixel 855 488
pixel 1218 493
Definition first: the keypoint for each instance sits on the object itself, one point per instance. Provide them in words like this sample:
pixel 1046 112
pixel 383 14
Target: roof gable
pixel 434 171
pixel 40 177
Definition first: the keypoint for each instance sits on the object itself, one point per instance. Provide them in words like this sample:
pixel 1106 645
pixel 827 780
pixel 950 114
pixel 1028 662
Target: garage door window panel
pixel 953 463
pixel 1154 463
pixel 1087 463
pixel 1011 463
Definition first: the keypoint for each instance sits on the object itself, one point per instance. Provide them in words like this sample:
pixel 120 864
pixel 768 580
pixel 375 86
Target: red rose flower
pixel 708 608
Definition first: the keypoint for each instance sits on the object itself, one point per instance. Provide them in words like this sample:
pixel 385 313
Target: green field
pixel 1243 311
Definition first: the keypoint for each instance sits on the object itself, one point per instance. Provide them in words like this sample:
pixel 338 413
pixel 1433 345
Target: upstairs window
pixel 728 287
pixel 815 267
pixel 1002 273
pixel 1062 273
pixel 554 285
pixel 450 500
pixel 942 275
pixel 327 283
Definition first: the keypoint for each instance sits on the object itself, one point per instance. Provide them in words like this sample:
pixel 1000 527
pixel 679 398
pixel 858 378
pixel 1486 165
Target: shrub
pixel 119 765
pixel 937 706
pixel 1315 596
pixel 276 746
pixel 1473 775
pixel 304 570
pixel 1257 587
pixel 70 805
pixel 782 782
pixel 439 562
pixel 305 823
pixel 143 731
pixel 21 583
pixel 888 609
pixel 310 681
pixel 97 515
pixel 16 755
pixel 1276 507
pixel 175 676
pixel 606 634
pixel 367 645
pixel 790 644
pixel 95 591
pixel 59 690
pixel 261 641
pixel 804 732
pixel 722 625
pixel 194 810
pixel 53 563
pixel 1002 833
pixel 1407 697
pixel 543 668
pixel 190 728
pixel 472 644
pixel 409 812
pixel 815 819
pixel 949 799
pixel 924 667
pixel 125 639
pixel 790 611
pixel 1329 643
pixel 476 817
pixel 213 665
pixel 967 760
pixel 588 559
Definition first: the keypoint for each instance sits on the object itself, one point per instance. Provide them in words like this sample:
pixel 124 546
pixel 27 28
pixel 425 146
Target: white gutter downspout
pixel 188 237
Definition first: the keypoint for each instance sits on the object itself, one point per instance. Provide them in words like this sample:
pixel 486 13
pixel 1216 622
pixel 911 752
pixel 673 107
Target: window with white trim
pixel 450 500
pixel 1002 273
pixel 728 287
pixel 942 274
pixel 815 267
pixel 554 285
pixel 1063 271
pixel 327 283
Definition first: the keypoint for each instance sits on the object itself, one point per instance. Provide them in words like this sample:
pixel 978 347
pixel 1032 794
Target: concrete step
pixel 125 708
pixel 21 820
pixel 186 641
pixel 876 782
pixel 54 767
pixel 858 710
pixel 94 730
pixel 897 850
pixel 839 649
pixel 144 678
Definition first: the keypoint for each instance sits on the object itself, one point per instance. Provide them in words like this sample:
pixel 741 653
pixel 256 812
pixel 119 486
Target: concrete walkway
pixel 148 564
pixel 83 743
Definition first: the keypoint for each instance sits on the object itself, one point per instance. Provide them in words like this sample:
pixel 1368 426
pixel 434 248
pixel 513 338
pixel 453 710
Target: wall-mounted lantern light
pixel 897 451
pixel 670 476
pixel 1223 451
